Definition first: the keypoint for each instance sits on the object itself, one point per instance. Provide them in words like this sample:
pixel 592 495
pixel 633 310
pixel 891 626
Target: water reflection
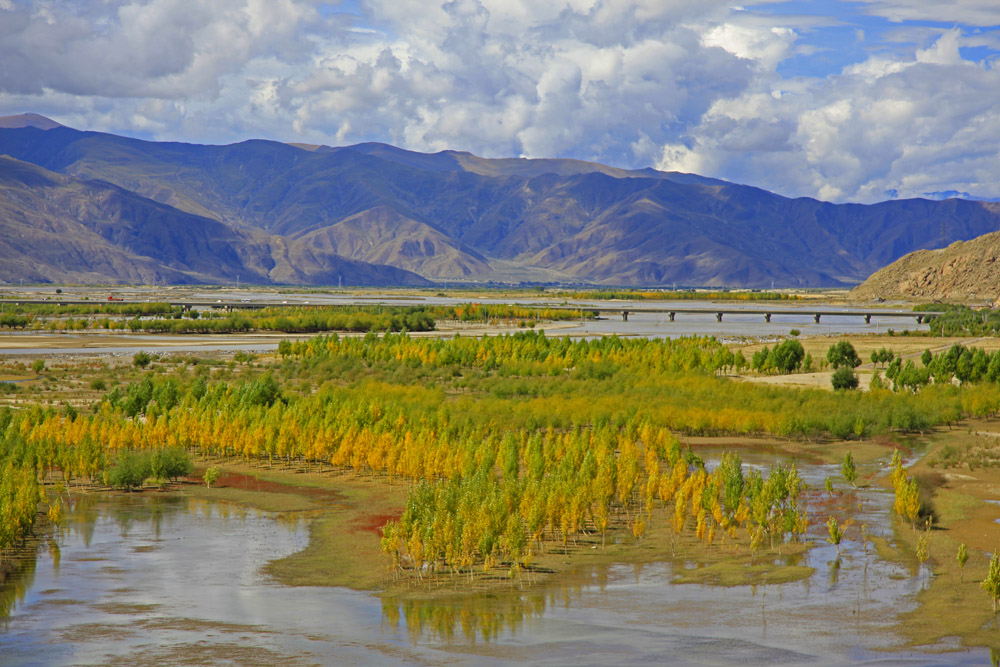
pixel 143 578
pixel 469 619
pixel 17 584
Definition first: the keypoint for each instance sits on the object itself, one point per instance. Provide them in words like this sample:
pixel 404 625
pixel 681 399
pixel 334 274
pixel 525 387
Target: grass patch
pixel 952 604
pixel 953 506
pixel 344 542
pixel 886 550
pixel 735 573
pixel 268 502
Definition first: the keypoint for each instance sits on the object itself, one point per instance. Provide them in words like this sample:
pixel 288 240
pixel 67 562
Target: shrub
pixel 130 471
pixel 844 378
pixel 170 463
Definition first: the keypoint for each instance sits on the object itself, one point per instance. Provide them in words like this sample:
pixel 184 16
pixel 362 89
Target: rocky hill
pixel 964 271
pixel 131 210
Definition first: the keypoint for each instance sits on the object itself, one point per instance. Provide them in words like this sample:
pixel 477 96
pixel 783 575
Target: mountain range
pixel 79 206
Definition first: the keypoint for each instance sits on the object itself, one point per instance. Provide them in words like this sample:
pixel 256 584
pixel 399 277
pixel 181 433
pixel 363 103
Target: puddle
pixel 144 579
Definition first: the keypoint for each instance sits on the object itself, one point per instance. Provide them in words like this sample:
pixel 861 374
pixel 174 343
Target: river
pixel 734 327
pixel 161 578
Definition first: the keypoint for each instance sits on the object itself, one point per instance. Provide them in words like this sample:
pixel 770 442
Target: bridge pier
pixel 920 319
pixel 672 316
pixel 868 319
pixel 816 318
pixel 624 316
pixel 767 317
pixel 718 317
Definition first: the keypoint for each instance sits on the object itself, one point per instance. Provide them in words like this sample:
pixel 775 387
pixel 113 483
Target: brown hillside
pixel 964 271
pixel 378 214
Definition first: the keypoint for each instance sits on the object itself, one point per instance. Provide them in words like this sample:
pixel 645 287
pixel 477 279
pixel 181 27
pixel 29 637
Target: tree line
pixel 565 436
pixel 164 318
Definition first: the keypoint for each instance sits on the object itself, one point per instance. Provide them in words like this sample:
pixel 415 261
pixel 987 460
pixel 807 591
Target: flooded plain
pixel 161 578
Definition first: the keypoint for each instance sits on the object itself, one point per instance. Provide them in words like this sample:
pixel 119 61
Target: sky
pixel 842 100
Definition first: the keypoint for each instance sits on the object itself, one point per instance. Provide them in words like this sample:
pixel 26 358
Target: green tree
pixel 844 378
pixel 739 361
pixel 730 471
pixel 212 473
pixel 788 356
pixel 849 470
pixel 173 462
pixel 843 353
pixel 923 546
pixel 962 557
pixel 835 533
pixel 991 584
pixel 38 365
pixel 130 472
pixel 141 359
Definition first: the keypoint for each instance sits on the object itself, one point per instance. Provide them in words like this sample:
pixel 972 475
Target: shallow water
pixel 161 579
pixel 640 324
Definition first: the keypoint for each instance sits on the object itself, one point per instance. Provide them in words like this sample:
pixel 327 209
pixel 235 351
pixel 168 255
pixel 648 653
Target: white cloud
pixel 596 80
pixel 929 123
pixel 966 12
pixel 768 47
pixel 692 85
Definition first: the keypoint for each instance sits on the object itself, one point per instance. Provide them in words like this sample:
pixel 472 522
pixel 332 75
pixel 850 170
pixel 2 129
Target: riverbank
pixel 347 512
pixel 342 512
pixel 962 500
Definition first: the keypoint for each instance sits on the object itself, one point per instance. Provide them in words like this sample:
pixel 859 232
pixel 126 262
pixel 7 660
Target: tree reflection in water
pixel 478 618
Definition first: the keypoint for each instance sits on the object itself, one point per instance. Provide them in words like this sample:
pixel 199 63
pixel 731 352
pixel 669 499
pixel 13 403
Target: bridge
pixel 672 312
pixel 767 313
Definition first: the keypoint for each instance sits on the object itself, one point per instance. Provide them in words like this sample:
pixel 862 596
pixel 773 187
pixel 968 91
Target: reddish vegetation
pixel 250 483
pixel 371 523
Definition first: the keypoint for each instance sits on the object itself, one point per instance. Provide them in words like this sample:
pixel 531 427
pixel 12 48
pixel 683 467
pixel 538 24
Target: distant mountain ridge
pixel 377 214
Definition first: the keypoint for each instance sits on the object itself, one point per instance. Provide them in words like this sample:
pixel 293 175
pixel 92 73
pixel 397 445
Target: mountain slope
pixel 453 215
pixel 60 229
pixel 968 270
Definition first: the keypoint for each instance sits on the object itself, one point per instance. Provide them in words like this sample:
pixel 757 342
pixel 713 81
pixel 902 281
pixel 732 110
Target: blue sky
pixel 846 33
pixel 857 100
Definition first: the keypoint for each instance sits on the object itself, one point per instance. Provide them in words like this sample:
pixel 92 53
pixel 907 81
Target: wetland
pixel 159 577
pixel 401 499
